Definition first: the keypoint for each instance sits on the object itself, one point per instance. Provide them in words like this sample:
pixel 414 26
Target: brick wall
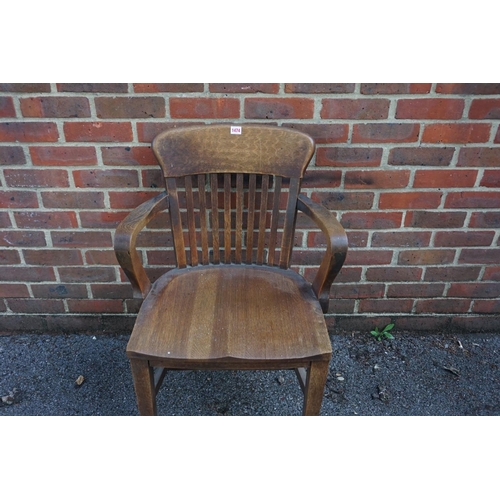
pixel 411 170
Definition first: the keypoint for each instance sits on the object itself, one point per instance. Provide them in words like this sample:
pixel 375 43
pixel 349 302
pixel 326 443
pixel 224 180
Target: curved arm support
pixel 125 242
pixel 336 247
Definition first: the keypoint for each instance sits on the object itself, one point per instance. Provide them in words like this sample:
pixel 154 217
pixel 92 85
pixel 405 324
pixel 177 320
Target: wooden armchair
pixel 232 302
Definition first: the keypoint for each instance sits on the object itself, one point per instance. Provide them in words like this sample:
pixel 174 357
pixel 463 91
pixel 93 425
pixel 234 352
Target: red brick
pixel 98 219
pixel 348 157
pixel 488 109
pixel 479 256
pixel 341 306
pixel 371 220
pixel 114 88
pixel 53 257
pixel 491 178
pixel 152 178
pixel 319 88
pixel 25 87
pixel 97 131
pixel 409 200
pixel 279 108
pixel 492 274
pixel 71 199
pixel 479 157
pixel 22 238
pixel 356 238
pixel 55 107
pixel 81 239
pixel 456 133
pixel 18 199
pixel 472 199
pixel 12 155
pixel 376 179
pixel 321 179
pixel 147 131
pixel 355 109
pixel 5 220
pixel 344 201
pixel 63 155
pixel 101 257
pixel 36 306
pixel 264 88
pixel 385 132
pixel 444 178
pixel 468 88
pixel 28 177
pixel 7 107
pixel 357 291
pixel 463 238
pixel 106 178
pixel 395 88
pixel 475 290
pixel 27 273
pixel 28 132
pixel 155 239
pixel 393 273
pixel 130 107
pixel 368 257
pixel 168 87
pixel 497 137
pixel 442 306
pixel 9 257
pixel 204 107
pixel 162 257
pixel 424 218
pixel 485 219
pixel 423 156
pixel 14 290
pixel 59 290
pixel 452 273
pixel 87 274
pixel 486 306
pixel 112 291
pixel 401 239
pixel 46 220
pixel 412 290
pixel 385 306
pixel 322 133
pixel 430 108
pixel 129 199
pixel 95 306
pixel 346 275
pixel 425 257
pixel 128 156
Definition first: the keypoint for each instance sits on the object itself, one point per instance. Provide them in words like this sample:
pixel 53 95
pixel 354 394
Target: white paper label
pixel 236 130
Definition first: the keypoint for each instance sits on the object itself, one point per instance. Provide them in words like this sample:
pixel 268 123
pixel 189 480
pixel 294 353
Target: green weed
pixel 383 334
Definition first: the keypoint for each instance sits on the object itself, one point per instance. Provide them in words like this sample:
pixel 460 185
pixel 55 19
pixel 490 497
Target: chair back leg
pixel 143 376
pixel 315 387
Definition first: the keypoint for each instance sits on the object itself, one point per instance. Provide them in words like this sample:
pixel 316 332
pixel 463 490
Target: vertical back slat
pixel 227 218
pixel 274 219
pixel 214 188
pixel 289 225
pixel 202 200
pixel 262 219
pixel 250 218
pixel 239 218
pixel 175 221
pixel 193 247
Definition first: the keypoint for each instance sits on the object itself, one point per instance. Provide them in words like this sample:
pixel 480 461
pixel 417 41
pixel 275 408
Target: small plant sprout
pixel 383 334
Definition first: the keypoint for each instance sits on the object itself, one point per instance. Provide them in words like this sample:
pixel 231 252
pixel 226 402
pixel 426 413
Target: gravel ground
pixel 433 374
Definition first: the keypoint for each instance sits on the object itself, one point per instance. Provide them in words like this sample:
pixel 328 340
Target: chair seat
pixel 218 314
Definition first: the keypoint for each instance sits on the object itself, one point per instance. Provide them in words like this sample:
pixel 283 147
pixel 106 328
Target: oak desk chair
pixel 232 302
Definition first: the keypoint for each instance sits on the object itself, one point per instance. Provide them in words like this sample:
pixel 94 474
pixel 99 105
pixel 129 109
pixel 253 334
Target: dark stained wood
pixel 227 193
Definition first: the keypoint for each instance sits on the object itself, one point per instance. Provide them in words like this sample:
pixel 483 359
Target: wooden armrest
pixel 125 242
pixel 336 247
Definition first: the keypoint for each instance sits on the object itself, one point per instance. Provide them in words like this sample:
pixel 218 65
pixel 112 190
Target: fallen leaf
pixel 452 370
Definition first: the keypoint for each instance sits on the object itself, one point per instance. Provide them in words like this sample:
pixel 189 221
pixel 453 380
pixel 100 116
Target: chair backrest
pixel 233 196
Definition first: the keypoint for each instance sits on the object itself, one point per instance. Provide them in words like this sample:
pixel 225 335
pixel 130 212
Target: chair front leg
pixel 315 387
pixel 144 386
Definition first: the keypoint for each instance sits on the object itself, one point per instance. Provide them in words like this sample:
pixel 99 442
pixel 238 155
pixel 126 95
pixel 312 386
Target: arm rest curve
pixel 125 242
pixel 336 247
